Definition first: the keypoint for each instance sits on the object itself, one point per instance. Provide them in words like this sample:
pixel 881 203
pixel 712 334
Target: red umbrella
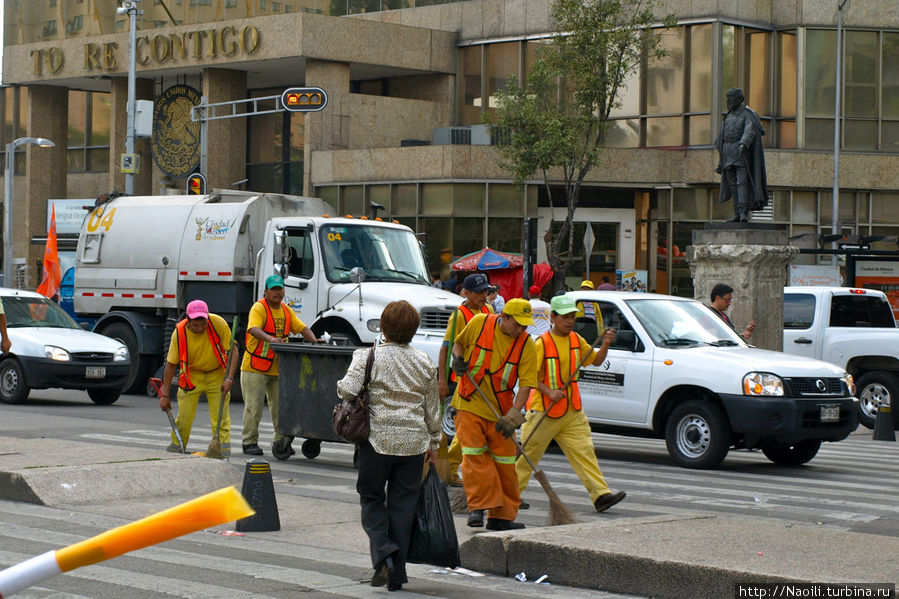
pixel 487 259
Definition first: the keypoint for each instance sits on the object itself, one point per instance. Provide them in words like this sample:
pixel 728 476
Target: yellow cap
pixel 587 285
pixel 520 310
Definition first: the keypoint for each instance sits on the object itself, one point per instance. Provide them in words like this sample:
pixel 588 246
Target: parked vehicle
pixel 140 260
pixel 49 349
pixel 852 328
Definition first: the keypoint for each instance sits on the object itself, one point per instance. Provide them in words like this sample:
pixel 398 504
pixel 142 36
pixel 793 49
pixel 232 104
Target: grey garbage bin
pixel 307 393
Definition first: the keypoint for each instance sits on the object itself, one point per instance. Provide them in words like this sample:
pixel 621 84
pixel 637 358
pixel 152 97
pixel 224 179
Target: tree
pixel 557 120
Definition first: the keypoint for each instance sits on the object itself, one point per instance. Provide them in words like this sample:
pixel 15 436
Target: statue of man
pixel 741 161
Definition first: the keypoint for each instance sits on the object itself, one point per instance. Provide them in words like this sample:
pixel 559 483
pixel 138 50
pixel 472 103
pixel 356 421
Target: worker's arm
pixel 165 401
pixel 5 343
pixel 258 333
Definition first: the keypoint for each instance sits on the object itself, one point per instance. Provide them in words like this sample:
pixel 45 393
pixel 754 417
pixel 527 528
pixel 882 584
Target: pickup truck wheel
pixel 875 389
pixel 697 435
pixel 12 382
pixel 792 454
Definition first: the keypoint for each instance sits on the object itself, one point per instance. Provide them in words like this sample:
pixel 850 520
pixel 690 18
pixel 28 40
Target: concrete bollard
pixel 259 491
pixel 883 425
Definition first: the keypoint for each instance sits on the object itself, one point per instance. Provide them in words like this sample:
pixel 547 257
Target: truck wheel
pixel 875 389
pixel 792 454
pixel 697 435
pixel 137 377
pixel 104 397
pixel 12 382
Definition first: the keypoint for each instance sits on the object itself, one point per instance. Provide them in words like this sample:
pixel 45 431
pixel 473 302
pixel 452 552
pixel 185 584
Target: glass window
pixel 728 59
pixel 758 68
pixel 799 310
pixel 884 208
pixel 700 130
pixel 504 200
pixel 404 199
pixel 77 118
pixel 664 131
pixel 629 96
pixel 846 208
pixel 505 234
pixel 890 80
pixel 439 244
pixel 805 207
pixel 469 199
pixel 379 194
pixel 786 134
pixel 701 68
pixel 502 61
pixel 329 195
pixel 470 111
pixel 861 311
pixel 859 135
pixel 889 136
pixel 691 204
pixel 819 134
pixel 437 198
pixel 820 72
pixel 302 260
pixel 625 133
pixel 788 73
pixel 860 71
pixel 352 201
pixel 781 206
pixel 468 235
pixel 665 77
pixel 101 109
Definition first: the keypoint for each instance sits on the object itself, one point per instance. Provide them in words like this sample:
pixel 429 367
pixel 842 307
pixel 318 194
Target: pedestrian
pixel 589 308
pixel 474 288
pixel 559 353
pixel 405 431
pixel 199 348
pixel 722 297
pixel 435 280
pixel 497 352
pixel 452 283
pixel 270 321
pixel 606 285
pixel 540 311
pixel 496 300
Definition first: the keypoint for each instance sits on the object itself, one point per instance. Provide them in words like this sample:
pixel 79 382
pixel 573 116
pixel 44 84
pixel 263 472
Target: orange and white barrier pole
pixel 212 509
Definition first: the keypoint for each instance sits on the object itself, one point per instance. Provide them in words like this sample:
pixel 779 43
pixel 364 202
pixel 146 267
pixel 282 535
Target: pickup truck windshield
pixel 384 253
pixel 682 323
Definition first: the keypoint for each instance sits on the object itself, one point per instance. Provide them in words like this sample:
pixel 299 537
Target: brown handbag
pixel 350 417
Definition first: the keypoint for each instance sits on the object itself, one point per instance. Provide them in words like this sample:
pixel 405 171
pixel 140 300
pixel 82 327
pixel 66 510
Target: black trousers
pixel 388 488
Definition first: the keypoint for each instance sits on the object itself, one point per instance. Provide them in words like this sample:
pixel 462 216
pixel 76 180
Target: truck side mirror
pixel 357 275
pixel 280 269
pixel 281 253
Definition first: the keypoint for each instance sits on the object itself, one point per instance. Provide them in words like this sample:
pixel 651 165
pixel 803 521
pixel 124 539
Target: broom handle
pixel 218 425
pixel 564 386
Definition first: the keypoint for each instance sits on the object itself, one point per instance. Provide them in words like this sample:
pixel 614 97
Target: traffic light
pixel 304 99
pixel 196 185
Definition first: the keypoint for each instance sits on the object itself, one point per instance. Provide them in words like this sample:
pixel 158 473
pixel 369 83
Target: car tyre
pixel 792 454
pixel 698 435
pixel 874 389
pixel 13 389
pixel 104 397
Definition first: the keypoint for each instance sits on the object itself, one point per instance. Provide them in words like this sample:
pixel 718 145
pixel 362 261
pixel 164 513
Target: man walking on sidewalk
pixel 559 353
pixel 496 351
pixel 199 347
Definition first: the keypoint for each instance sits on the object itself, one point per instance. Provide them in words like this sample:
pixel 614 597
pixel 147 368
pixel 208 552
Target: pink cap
pixel 197 309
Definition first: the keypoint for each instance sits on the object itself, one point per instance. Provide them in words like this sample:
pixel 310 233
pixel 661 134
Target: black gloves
pixel 460 366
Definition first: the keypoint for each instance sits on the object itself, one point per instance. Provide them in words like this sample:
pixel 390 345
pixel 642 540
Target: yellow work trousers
pixel 572 433
pixel 210 385
pixel 258 388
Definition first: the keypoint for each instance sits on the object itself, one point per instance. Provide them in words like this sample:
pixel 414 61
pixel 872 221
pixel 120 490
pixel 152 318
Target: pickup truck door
pixel 616 391
pixel 801 316
pixel 301 282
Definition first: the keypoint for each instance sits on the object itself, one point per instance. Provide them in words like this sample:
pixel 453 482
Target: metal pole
pixel 132 101
pixel 8 174
pixel 835 205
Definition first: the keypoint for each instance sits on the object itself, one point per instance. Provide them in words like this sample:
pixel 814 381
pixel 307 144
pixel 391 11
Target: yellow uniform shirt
pixel 458 319
pixel 502 343
pixel 200 354
pixel 257 319
pixel 536 402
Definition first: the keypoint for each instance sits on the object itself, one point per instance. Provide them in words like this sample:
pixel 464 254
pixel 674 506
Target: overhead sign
pixel 304 99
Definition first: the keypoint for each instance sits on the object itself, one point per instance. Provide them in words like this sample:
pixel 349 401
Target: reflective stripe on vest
pixel 263 356
pixel 503 382
pixel 181 337
pixel 467 315
pixel 552 374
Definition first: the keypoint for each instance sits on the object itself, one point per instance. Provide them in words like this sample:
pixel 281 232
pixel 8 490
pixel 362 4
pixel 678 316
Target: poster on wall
pixel 631 280
pixel 808 275
pixel 882 275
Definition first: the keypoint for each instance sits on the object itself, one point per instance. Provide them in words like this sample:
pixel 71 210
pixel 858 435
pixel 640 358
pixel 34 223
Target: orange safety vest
pixel 263 356
pixel 503 381
pixel 467 314
pixel 552 374
pixel 220 354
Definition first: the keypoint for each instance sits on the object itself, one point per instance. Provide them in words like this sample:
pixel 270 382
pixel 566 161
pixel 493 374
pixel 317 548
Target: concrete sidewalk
pixel 674 556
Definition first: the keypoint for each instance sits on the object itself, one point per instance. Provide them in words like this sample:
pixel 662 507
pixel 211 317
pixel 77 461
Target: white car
pixel 50 350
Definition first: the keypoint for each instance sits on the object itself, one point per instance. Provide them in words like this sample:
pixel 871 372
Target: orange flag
pixel 49 286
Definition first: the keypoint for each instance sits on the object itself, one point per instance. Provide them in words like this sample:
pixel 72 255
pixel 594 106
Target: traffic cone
pixel 259 491
pixel 883 425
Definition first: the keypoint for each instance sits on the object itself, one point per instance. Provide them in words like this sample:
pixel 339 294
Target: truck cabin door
pixel 301 284
pixel 799 321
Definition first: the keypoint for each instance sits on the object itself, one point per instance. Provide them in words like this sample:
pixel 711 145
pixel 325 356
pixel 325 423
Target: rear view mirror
pixel 626 340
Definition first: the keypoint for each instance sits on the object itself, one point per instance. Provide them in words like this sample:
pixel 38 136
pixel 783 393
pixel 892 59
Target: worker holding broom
pixel 560 354
pixel 490 355
pixel 199 347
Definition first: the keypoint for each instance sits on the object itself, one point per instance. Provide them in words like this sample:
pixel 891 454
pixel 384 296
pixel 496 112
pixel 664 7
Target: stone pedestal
pixel 753 260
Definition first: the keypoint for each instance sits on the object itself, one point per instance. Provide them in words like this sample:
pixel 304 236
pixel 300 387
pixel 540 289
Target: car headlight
pixel 120 354
pixel 374 325
pixel 763 383
pixel 850 383
pixel 57 353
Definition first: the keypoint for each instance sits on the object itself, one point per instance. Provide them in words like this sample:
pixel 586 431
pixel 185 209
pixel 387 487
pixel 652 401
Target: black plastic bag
pixel 433 532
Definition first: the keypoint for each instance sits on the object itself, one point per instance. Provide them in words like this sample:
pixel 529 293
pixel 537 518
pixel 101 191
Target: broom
pixel 558 512
pixel 214 450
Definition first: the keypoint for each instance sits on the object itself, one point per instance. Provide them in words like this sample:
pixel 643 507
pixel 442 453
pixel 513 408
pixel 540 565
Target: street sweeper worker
pixel 554 410
pixel 496 351
pixel 199 348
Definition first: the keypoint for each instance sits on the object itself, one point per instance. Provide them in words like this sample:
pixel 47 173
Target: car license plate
pixel 830 413
pixel 99 372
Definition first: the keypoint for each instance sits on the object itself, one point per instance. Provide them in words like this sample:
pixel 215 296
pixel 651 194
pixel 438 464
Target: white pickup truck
pixel 676 371
pixel 852 328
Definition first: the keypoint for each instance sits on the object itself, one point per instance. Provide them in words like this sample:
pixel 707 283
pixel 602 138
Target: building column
pixel 118 131
pixel 226 139
pixel 45 175
pixel 328 129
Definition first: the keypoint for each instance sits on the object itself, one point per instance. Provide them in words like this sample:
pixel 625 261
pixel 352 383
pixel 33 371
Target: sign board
pixel 631 280
pixel 69 214
pixel 807 275
pixel 883 274
pixel 130 164
pixel 304 99
pixel 176 138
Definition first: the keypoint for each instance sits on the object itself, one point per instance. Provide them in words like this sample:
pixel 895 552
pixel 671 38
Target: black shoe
pixel 604 502
pixel 395 586
pixel 499 524
pixel 382 572
pixel 476 518
pixel 524 505
pixel 252 449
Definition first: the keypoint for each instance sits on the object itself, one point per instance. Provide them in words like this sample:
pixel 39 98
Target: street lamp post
pixel 129 7
pixel 835 203
pixel 8 175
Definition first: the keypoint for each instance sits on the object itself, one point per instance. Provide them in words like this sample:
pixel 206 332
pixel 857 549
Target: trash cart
pixel 307 394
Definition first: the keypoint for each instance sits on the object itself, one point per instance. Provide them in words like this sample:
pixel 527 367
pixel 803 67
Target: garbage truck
pixel 141 259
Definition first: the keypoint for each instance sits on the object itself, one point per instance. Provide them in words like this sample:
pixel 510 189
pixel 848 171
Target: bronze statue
pixel 741 160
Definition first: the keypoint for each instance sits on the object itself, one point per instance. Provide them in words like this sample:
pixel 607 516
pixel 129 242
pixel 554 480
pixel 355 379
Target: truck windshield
pixel 682 323
pixel 384 253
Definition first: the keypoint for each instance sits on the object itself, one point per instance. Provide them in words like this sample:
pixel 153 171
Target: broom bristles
pixel 214 450
pixel 558 511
